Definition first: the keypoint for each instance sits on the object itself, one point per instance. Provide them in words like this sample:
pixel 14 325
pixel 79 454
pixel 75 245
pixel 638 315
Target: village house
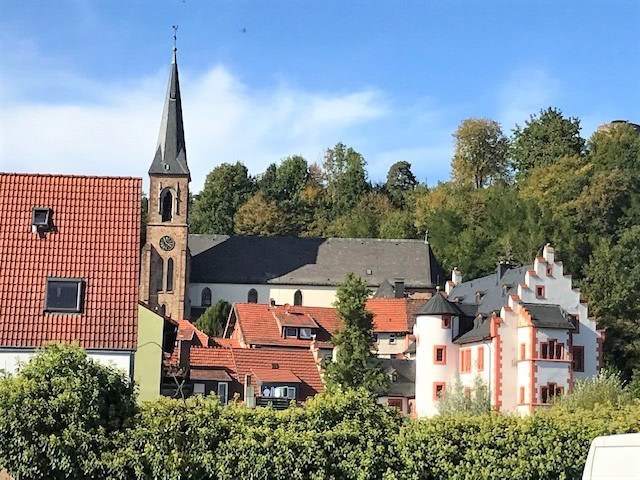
pixel 524 331
pixel 69 273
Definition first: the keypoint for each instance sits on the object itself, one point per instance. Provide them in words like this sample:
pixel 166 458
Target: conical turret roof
pixel 438 305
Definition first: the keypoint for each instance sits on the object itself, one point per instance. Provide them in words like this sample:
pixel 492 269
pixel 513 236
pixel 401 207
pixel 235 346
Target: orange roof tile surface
pixel 238 362
pixel 96 237
pixel 393 314
pixel 260 327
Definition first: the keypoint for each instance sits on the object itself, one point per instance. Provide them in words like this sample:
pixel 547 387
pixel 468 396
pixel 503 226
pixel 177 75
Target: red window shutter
pixel 523 351
pixel 480 359
pixel 521 395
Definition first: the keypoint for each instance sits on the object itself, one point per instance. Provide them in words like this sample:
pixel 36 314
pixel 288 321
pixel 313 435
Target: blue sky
pixel 82 82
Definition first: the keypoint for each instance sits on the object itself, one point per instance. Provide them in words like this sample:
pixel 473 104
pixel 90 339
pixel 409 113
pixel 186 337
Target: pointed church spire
pixel 171 154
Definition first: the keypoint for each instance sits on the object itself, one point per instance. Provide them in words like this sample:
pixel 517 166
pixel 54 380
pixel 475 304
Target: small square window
pixel 392 338
pixel 305 333
pixel 63 295
pixel 440 354
pixel 375 337
pixel 41 219
pixel 539 291
pixel 198 388
pixel 446 321
pixel 290 332
pixel 438 390
pixel 550 271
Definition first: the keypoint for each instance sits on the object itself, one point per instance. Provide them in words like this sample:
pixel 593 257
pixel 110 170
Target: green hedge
pixel 65 417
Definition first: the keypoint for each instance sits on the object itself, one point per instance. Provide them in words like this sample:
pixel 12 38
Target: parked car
pixel 613 457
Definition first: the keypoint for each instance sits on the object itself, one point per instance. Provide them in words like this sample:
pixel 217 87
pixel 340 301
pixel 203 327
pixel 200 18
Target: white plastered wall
pixel 10 359
pixel 312 296
pixel 384 346
pixel 429 333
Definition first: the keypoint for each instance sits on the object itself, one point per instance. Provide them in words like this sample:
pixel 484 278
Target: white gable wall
pixel 10 359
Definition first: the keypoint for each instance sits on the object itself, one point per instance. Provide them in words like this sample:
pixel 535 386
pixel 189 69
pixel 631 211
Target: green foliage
pixel 64 416
pixel 365 219
pixel 606 388
pixel 214 318
pixel 480 155
pixel 226 188
pixel 548 444
pixel 59 413
pixel 260 217
pixel 545 138
pixel 475 401
pixel 346 178
pixel 400 181
pixel 353 367
pixel 611 286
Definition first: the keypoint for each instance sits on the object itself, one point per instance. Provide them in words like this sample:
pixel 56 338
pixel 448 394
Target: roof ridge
pixel 70 175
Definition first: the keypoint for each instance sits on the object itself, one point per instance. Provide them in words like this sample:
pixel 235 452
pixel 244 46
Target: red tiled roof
pixel 96 238
pixel 188 331
pixel 295 319
pixel 238 362
pixel 393 314
pixel 275 375
pixel 259 326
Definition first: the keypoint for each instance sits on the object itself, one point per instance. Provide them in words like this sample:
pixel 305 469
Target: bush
pixel 606 388
pixel 456 400
pixel 59 413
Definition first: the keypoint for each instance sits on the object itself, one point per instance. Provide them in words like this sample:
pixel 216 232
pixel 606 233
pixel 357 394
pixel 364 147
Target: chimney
pixel 272 302
pixel 249 394
pixel 399 287
pixel 503 266
pixel 456 276
pixel 184 353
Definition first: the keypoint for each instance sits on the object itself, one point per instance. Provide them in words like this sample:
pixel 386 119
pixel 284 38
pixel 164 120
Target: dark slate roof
pixel 405 386
pixel 311 261
pixel 385 290
pixel 438 305
pixel 544 315
pixel 476 334
pixel 493 293
pixel 171 154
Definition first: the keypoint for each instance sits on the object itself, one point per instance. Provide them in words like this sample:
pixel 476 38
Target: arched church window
pixel 166 205
pixel 205 297
pixel 297 298
pixel 170 274
pixel 252 297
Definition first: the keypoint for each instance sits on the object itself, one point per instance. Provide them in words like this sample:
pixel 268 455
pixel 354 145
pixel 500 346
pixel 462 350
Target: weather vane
pixel 175 35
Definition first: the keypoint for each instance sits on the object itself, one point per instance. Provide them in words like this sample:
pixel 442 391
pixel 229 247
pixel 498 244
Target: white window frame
pixel 286 332
pixel 223 398
pixel 291 393
pixel 198 389
pixel 303 333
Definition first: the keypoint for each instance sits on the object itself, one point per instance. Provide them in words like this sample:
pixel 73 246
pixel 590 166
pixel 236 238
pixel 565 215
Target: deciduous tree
pixel 480 153
pixel 260 217
pixel 226 188
pixel 544 139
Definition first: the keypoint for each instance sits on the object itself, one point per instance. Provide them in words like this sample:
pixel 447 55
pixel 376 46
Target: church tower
pixel 165 257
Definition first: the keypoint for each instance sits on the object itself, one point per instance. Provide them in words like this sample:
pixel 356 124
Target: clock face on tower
pixel 167 243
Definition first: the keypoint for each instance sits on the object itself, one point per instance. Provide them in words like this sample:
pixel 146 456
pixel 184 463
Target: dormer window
pixel 305 333
pixel 290 332
pixel 41 219
pixel 64 295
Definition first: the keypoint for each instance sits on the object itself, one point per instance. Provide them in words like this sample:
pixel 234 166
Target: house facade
pixel 524 331
pixel 69 269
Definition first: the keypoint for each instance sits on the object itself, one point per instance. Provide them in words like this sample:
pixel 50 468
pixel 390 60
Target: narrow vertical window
pixel 577 352
pixel 575 321
pixel 523 351
pixel 160 276
pixel 446 321
pixel 544 350
pixel 540 292
pixel 170 275
pixel 544 394
pixel 559 351
pixel 440 354
pixel 552 349
pixel 205 297
pixel 222 392
pixel 480 359
pixel 438 390
pixel 166 206
pixel 297 298
pixel 521 395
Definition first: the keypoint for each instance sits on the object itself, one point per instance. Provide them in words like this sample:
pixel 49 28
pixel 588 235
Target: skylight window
pixel 41 219
pixel 64 295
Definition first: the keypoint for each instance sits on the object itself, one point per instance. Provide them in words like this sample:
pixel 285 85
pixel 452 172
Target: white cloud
pixel 114 131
